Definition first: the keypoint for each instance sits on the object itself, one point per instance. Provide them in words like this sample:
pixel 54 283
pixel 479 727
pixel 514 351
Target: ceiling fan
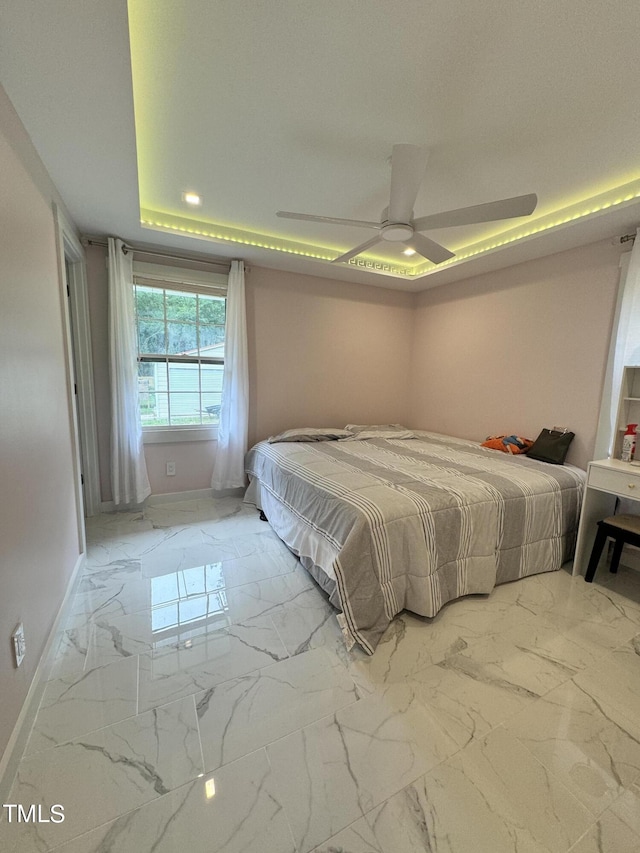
pixel 397 225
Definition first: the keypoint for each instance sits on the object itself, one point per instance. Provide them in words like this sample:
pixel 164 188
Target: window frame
pixel 189 281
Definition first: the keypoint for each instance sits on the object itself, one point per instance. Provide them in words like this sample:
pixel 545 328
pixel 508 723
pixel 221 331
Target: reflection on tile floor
pixel 201 699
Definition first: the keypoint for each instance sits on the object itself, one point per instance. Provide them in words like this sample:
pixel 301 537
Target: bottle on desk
pixel 629 443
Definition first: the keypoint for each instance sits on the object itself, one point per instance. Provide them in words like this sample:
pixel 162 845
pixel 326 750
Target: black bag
pixel 551 445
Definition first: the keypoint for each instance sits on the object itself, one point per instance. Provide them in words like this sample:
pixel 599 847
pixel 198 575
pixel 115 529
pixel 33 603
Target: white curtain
pixel 129 481
pixel 624 350
pixel 228 471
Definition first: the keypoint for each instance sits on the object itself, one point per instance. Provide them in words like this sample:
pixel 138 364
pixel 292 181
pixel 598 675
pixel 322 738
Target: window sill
pixel 178 434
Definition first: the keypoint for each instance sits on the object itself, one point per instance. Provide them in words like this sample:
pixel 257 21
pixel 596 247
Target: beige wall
pixel 321 352
pixel 517 350
pixel 39 543
pixel 510 351
pixel 194 465
pixel 324 352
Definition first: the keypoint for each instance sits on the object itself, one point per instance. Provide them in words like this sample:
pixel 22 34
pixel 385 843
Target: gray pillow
pixel 311 434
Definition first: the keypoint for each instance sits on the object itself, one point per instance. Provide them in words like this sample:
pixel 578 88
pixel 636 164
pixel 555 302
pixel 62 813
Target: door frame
pixel 77 323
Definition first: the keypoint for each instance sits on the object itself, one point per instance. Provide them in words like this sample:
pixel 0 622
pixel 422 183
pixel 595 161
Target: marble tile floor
pixel 201 699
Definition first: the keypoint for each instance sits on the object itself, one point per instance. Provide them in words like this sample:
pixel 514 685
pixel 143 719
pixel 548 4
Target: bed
pixel 386 523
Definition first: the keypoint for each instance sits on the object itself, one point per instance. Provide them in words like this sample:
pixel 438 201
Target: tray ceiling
pixel 261 106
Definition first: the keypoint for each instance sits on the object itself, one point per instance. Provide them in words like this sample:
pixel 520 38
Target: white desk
pixel 607 479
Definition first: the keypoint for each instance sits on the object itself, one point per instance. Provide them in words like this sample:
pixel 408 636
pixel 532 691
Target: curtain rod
pixel 95 241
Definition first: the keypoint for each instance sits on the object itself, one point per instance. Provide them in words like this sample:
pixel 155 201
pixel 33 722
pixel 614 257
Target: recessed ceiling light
pixel 192 198
pixel 409 252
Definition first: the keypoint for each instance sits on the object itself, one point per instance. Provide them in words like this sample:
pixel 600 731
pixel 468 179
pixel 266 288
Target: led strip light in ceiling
pixel 616 197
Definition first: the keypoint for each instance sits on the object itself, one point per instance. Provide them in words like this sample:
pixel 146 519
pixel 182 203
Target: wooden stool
pixel 623 529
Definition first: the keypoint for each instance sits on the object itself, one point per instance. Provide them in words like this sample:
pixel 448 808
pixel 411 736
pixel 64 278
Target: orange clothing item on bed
pixel 508 443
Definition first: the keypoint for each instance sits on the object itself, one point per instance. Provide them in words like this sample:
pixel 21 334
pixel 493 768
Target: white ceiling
pixel 262 105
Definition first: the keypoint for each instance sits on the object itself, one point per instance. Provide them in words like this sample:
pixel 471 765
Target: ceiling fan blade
pixel 408 163
pixel 332 220
pixel 429 249
pixel 358 250
pixel 506 208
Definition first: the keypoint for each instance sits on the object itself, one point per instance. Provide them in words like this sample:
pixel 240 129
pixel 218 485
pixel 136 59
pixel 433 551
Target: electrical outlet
pixel 171 469
pixel 19 644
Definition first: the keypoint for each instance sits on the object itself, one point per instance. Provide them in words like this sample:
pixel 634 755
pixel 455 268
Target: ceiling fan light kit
pixel 408 164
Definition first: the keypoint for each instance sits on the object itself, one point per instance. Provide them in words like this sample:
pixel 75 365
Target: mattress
pixel 386 525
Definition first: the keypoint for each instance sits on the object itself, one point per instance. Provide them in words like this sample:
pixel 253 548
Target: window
pixel 181 336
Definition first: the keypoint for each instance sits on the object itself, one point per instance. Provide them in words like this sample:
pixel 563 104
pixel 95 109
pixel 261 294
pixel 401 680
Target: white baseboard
pixel 230 493
pixel 109 506
pixel 176 497
pixel 22 729
pixel 192 495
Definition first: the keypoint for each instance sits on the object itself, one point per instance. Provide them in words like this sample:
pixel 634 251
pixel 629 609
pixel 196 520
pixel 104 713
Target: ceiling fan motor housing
pixel 396 232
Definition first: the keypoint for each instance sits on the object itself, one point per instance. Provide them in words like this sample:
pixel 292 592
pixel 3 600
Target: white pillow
pixel 376 427
pixel 381 433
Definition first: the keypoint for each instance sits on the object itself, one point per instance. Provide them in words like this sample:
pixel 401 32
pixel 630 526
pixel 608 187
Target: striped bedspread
pixel 411 524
